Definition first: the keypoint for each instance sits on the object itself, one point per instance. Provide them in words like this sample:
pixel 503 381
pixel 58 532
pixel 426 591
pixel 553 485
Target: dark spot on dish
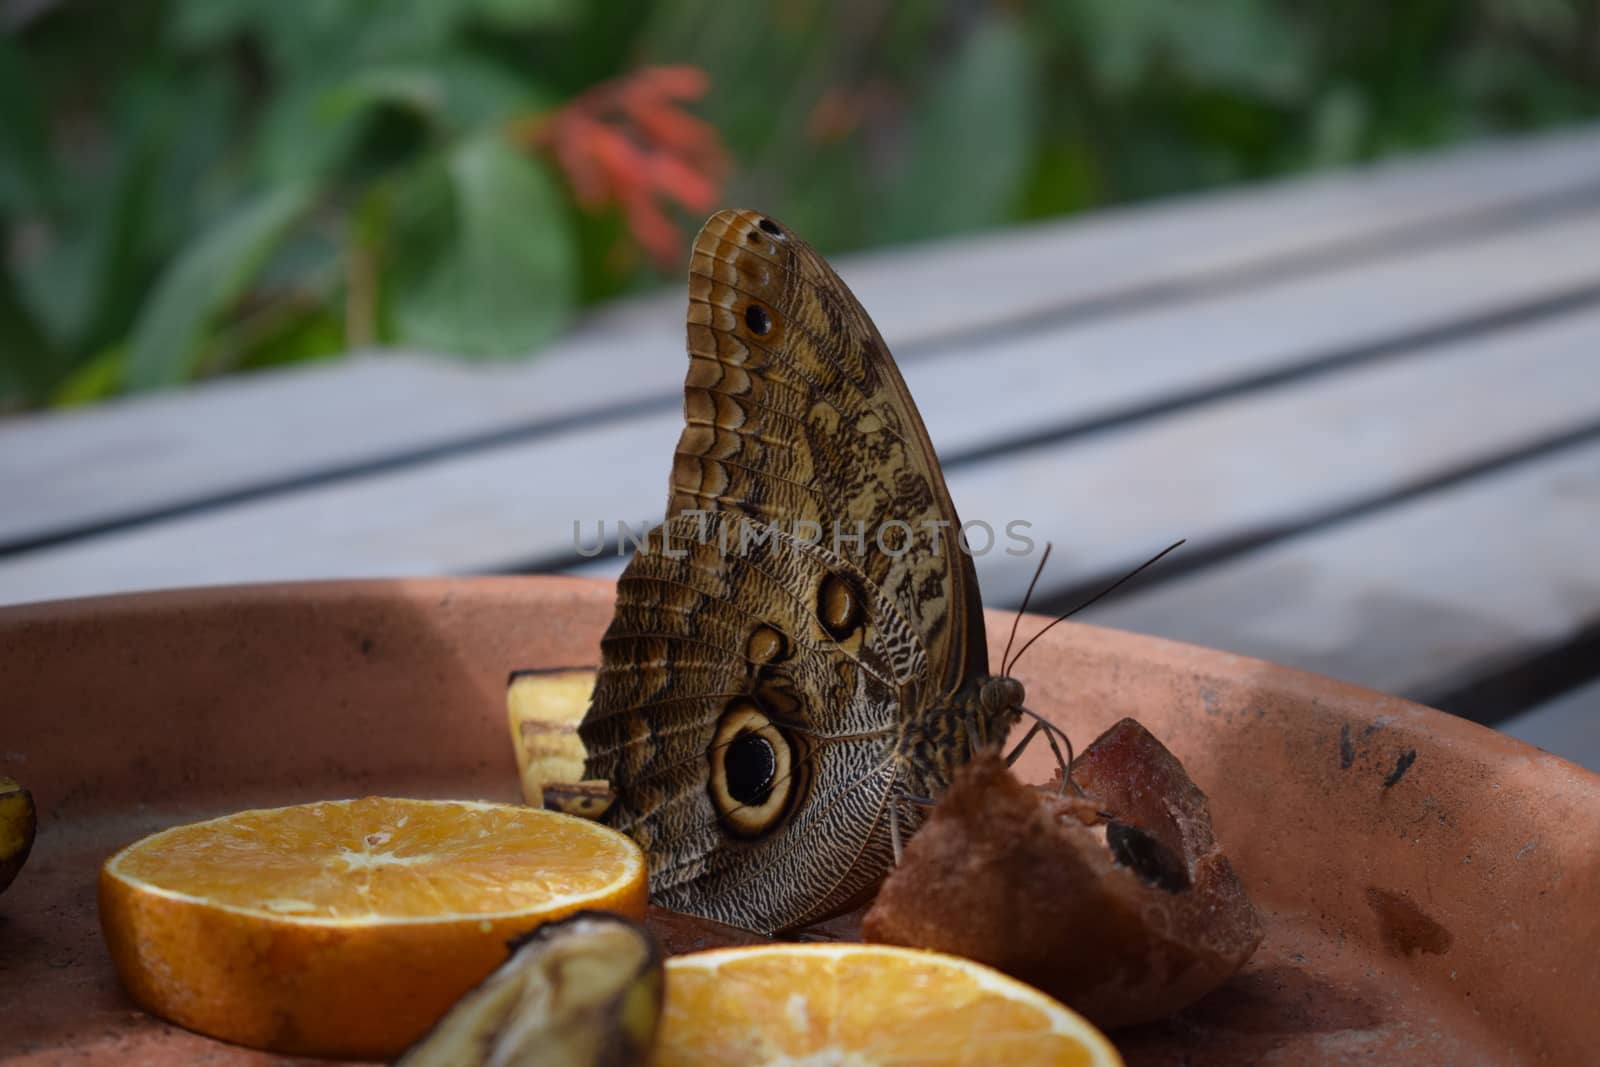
pixel 1401 766
pixel 1274 1000
pixel 1406 928
pixel 1347 747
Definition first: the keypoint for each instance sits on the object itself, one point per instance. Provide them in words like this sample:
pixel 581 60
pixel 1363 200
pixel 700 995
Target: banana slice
pixel 18 820
pixel 545 708
pixel 581 992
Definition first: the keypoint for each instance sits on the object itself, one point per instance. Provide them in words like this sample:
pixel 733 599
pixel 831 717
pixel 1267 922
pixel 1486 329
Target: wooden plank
pixel 1569 726
pixel 1264 461
pixel 924 293
pixel 266 431
pixel 68 473
pixel 1052 380
pixel 1418 599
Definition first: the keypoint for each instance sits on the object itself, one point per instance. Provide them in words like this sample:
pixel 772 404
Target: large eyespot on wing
pixel 756 770
pixel 749 747
pixel 794 412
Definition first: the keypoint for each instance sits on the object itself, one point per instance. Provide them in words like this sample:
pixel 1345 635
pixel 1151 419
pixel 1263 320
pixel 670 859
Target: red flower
pixel 629 142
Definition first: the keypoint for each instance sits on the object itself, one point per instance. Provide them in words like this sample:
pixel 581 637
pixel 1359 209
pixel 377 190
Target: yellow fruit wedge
pixel 18 822
pixel 864 1006
pixel 346 928
pixel 545 708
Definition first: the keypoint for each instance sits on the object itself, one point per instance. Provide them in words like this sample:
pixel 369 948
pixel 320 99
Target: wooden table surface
pixel 1370 400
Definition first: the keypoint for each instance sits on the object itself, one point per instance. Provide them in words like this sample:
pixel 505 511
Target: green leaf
pixel 526 14
pixel 301 138
pixel 99 378
pixel 485 261
pixel 198 121
pixel 28 362
pixel 312 335
pixel 1063 181
pixel 1338 126
pixel 83 286
pixel 416 89
pixel 459 88
pixel 971 141
pixel 201 24
pixel 320 37
pixel 203 282
pixel 1249 45
pixel 317 126
pixel 26 172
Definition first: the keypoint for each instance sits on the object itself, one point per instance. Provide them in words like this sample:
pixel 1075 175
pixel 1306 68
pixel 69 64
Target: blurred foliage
pixel 192 187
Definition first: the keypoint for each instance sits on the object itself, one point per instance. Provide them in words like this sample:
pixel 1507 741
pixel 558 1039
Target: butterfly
pixel 797 663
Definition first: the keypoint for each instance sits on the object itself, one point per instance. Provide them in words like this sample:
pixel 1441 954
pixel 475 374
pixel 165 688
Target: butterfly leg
pixel 1021 746
pixel 894 831
pixel 894 819
pixel 1041 725
pixel 977 737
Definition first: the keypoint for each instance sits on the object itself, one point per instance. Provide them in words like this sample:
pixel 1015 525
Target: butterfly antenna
pixel 1107 591
pixel 1023 610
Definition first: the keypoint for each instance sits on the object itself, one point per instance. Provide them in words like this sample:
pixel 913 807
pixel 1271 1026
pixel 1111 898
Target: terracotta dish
pixel 1430 889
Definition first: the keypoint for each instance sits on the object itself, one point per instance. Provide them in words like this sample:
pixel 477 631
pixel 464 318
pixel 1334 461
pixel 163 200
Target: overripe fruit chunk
pixel 545 708
pixel 18 821
pixel 581 992
pixel 1119 903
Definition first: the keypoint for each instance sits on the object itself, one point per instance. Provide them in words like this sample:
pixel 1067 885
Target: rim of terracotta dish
pixel 1442 725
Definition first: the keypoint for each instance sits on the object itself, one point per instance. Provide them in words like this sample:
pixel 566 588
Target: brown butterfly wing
pixel 795 414
pixel 722 647
pixel 796 411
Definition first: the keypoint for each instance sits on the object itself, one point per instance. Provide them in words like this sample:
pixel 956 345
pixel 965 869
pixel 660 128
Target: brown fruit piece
pixel 1118 903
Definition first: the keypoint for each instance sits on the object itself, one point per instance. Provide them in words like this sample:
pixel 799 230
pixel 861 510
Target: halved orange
pixel 346 927
pixel 862 1006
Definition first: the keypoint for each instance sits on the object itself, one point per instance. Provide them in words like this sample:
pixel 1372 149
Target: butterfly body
pixel 935 741
pixel 798 653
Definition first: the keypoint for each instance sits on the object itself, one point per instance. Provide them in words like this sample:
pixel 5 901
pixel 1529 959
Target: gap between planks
pixel 1480 598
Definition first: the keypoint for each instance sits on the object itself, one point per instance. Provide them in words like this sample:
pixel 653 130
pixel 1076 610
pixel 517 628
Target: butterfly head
pixel 999 695
pixel 1000 707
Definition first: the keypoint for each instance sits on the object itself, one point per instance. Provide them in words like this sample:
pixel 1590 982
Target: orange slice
pixel 862 1006
pixel 346 928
